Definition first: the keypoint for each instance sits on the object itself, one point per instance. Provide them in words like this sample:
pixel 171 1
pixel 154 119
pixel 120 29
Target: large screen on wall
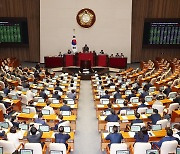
pixel 161 33
pixel 13 32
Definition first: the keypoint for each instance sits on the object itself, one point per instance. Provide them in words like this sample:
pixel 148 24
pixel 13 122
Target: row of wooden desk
pixel 75 60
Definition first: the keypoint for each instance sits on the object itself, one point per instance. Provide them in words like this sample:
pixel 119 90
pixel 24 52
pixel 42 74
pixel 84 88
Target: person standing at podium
pixel 85 48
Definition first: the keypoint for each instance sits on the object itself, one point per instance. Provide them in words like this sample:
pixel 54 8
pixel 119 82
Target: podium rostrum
pixel 85 64
pixel 85 56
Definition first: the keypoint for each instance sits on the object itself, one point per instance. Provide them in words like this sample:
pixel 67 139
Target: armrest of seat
pixel 107 149
pixel 68 150
pixel 44 149
pixel 20 146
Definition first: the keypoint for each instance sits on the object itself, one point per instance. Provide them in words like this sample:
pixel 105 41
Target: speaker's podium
pixel 85 66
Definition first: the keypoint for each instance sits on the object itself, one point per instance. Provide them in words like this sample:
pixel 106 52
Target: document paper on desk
pixel 131 134
pixel 143 116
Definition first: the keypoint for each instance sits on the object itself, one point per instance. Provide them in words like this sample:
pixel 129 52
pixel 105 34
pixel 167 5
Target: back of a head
pixel 40 115
pixel 144 130
pixel 60 116
pixel 137 115
pixel 143 100
pixel 65 101
pixel 112 111
pixel 56 92
pixel 73 91
pixel 106 92
pixel 115 129
pixel 109 105
pixel 13 129
pixel 61 129
pixel 1 98
pixel 33 130
pixel 155 111
pixel 169 132
pixel 125 103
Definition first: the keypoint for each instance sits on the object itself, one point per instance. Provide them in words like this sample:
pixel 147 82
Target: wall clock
pixel 86 18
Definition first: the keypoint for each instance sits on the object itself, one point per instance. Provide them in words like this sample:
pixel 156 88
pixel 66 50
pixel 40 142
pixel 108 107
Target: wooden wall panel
pixel 31 10
pixel 151 9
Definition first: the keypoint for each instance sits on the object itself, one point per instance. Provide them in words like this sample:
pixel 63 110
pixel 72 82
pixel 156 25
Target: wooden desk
pixel 1 116
pixel 175 116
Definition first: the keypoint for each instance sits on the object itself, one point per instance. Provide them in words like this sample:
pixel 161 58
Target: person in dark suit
pixel 58 87
pixel 125 107
pixel 56 95
pixel 106 95
pixel 113 117
pixel 6 90
pixel 169 137
pixel 111 83
pixel 15 122
pixel 142 136
pixel 117 95
pixel 40 119
pixel 137 120
pixel 142 103
pixel 85 48
pixel 145 93
pixel 167 90
pixel 148 85
pixel 177 99
pixel 61 137
pixel 60 117
pixel 65 107
pixel 6 104
pixel 43 94
pixel 114 137
pixel 155 117
pixel 133 94
pixel 33 137
pixel 37 66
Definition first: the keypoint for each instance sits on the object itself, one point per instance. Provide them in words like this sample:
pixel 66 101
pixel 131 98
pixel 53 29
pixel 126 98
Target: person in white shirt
pixel 47 107
pixel 14 136
pixel 30 95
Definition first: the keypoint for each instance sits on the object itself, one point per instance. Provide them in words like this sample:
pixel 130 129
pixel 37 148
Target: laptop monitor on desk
pixel 67 129
pixel 149 111
pixel 130 112
pixel 23 126
pixel 152 151
pixel 45 112
pixel 26 110
pixel 66 113
pixel 122 152
pixel 135 128
pixel 4 125
pixel 156 127
pixel 26 151
pixel 44 128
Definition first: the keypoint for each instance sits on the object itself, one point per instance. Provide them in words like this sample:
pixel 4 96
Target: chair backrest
pixel 163 123
pixel 8 147
pixel 58 146
pixel 140 148
pixel 117 146
pixel 111 124
pixel 3 108
pixel 173 107
pixel 169 147
pixel 24 99
pixel 142 110
pixel 66 123
pixel 160 108
pixel 172 95
pixel 134 98
pixel 36 147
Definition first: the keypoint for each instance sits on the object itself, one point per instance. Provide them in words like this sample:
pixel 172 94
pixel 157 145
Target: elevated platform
pixel 86 76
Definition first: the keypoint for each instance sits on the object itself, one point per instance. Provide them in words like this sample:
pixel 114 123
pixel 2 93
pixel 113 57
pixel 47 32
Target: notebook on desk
pixel 26 151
